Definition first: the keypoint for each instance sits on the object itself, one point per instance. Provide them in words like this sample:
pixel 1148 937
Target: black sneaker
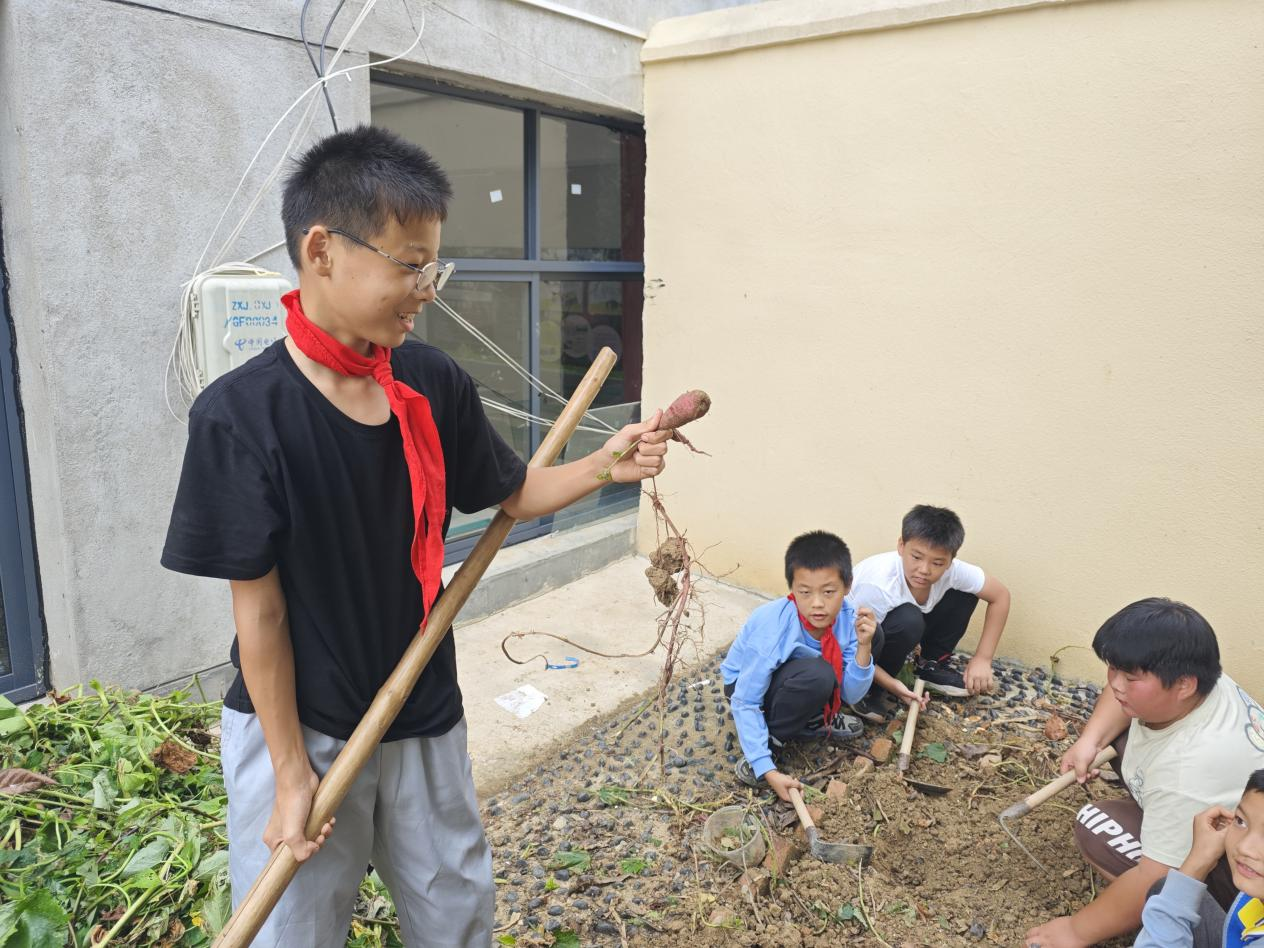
pixel 872 708
pixel 843 728
pixel 940 677
pixel 746 774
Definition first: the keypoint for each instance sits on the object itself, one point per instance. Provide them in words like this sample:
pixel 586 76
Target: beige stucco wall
pixel 1008 263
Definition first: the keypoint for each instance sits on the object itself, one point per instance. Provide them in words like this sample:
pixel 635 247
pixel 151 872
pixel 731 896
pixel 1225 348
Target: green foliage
pixel 632 866
pixel 11 719
pixel 613 796
pixel 33 921
pixel 575 859
pixel 936 752
pixel 565 938
pixel 908 675
pixel 122 845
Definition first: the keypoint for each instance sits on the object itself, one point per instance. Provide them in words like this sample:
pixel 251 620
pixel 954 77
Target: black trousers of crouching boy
pixel 797 693
pixel 937 631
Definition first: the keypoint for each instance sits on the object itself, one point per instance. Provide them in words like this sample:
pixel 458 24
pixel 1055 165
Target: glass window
pixel 577 319
pixel 480 148
pixel 5 667
pixel 547 228
pixel 501 310
pixel 592 188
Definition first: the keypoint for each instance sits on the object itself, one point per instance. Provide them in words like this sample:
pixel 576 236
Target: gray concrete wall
pixel 124 127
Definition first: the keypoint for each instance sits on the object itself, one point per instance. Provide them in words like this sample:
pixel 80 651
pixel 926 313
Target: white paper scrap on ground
pixel 522 702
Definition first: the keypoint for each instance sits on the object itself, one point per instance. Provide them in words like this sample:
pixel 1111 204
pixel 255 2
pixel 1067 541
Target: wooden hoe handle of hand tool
pixel 268 887
pixel 914 706
pixel 804 816
pixel 1054 787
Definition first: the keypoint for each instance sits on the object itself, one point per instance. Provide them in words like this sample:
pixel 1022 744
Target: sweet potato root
pixel 688 407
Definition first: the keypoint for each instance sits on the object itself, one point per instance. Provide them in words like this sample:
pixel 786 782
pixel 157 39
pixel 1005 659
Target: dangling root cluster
pixel 671 555
pixel 670 573
pixel 670 558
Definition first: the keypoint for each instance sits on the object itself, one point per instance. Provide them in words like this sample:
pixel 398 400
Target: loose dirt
pixel 604 847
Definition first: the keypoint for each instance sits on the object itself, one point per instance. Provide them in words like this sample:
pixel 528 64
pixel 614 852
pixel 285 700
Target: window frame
pixel 529 268
pixel 23 623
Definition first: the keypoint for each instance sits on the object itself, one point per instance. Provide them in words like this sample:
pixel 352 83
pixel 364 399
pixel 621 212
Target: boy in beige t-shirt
pixel 1188 736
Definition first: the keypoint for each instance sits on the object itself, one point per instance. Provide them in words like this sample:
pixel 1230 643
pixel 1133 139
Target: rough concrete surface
pixel 111 187
pixel 612 610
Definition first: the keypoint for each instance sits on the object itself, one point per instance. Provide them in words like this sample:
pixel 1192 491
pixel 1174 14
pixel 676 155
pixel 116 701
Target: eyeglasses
pixel 436 271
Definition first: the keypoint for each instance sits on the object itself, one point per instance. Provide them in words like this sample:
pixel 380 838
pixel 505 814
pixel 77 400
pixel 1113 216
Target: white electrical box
pixel 235 316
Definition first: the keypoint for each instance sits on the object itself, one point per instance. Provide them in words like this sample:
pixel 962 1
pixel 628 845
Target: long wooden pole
pixel 276 875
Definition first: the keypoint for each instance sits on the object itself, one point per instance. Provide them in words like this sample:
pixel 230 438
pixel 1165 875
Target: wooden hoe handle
pixel 268 887
pixel 914 707
pixel 804 816
pixel 1054 787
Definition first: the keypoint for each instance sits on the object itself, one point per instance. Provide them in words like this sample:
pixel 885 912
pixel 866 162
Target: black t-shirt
pixel 275 475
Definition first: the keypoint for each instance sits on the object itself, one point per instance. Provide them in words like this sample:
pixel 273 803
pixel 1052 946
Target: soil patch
pixel 603 846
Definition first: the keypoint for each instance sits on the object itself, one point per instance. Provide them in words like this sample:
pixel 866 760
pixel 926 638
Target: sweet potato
pixel 688 407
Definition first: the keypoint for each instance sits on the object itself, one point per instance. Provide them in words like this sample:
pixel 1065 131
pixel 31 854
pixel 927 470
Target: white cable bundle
pixel 182 364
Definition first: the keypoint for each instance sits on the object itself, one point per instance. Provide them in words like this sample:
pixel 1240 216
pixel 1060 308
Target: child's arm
pixel 549 489
pixel 858 664
pixel 1117 911
pixel 1169 918
pixel 1106 723
pixel 267 665
pixel 979 669
pixel 902 692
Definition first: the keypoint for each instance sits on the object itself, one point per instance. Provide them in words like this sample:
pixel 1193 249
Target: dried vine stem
pixel 671 575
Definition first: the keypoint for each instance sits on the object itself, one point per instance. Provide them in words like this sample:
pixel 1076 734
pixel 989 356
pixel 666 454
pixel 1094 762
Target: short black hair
pixel 937 526
pixel 1161 636
pixel 818 550
pixel 1255 783
pixel 357 180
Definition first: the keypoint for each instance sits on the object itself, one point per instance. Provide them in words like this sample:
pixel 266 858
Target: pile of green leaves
pixel 126 844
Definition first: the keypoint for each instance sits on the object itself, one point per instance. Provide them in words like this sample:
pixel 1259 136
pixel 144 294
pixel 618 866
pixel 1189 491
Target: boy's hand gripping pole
pixel 268 887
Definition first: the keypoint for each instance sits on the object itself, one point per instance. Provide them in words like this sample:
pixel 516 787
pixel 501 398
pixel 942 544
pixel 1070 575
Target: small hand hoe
pixel 1051 789
pixel 906 745
pixel 819 848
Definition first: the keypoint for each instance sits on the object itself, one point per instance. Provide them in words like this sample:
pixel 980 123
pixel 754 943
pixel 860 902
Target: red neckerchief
pixel 832 654
pixel 423 451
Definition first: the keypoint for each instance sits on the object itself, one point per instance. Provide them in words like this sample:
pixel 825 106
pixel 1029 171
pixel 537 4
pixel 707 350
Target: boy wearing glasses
pixel 319 480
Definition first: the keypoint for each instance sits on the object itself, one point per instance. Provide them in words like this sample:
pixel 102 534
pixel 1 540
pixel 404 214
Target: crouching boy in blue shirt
pixel 796 659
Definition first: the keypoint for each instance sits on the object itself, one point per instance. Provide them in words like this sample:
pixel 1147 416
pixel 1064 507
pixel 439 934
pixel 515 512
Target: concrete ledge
pixel 529 569
pixel 794 21
pixel 517 574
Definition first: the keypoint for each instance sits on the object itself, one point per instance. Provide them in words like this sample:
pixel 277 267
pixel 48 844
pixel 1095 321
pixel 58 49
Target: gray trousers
pixel 411 812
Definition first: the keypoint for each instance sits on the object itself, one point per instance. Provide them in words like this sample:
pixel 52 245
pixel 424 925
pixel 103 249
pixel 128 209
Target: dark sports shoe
pixel 843 728
pixel 747 776
pixel 942 678
pixel 874 708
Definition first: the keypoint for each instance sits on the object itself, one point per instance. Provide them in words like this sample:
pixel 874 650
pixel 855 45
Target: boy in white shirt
pixel 921 594
pixel 1188 736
